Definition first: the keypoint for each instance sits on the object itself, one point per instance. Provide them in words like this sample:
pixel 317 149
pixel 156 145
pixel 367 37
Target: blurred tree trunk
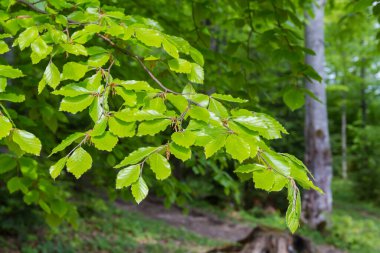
pixel 344 137
pixel 316 207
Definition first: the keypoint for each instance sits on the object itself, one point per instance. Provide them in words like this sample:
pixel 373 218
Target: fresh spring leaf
pixel 76 104
pixel 107 141
pixel 149 37
pixel 67 142
pixel 127 176
pixel 121 128
pixel 5 126
pixel 160 166
pixel 137 156
pixel 294 209
pixel 184 138
pixel 56 168
pixel 228 98
pixel 294 98
pixel 8 71
pixel 139 190
pixel 27 37
pixel 28 142
pixel 52 75
pixel 79 162
pixel 180 66
pixel 237 147
pixel 264 179
pixel 248 168
pixel 152 127
pixel 7 163
pixel 196 74
pixel 73 71
pixel 180 152
pixel 214 145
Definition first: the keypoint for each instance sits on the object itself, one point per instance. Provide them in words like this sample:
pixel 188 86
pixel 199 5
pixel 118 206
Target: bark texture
pixel 316 207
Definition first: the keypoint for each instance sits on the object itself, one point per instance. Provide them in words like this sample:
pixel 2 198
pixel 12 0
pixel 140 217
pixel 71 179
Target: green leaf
pixel 44 206
pixel 139 190
pixel 196 56
pixel 7 163
pixel 228 98
pixel 149 37
pixel 217 108
pixel 178 101
pixel 73 71
pixel 5 126
pixel 294 209
pixel 59 207
pixel 152 127
pixel 15 98
pixel 137 156
pixel 3 84
pixel 197 74
pixel 56 168
pixel 214 145
pixel 134 85
pixel 98 60
pixel 160 166
pixel 79 162
pixel 248 168
pixel 40 50
pixel 180 152
pixel 52 75
pixel 8 71
pixel 156 104
pixel 14 184
pixel 180 66
pixel 199 113
pixel 67 142
pixel 279 182
pixel 76 104
pixel 170 48
pixel 28 167
pixel 28 142
pixel 96 109
pixel 128 115
pixel 129 96
pixel 121 128
pixel 237 147
pixel 72 90
pixel 127 176
pixel 294 99
pixel 265 125
pixel 100 126
pixel 27 37
pixel 3 47
pixel 184 138
pixel 264 179
pixel 75 49
pixel 107 141
pixel 277 162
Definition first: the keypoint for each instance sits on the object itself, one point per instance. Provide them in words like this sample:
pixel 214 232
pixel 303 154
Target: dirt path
pixel 196 221
pixel 201 223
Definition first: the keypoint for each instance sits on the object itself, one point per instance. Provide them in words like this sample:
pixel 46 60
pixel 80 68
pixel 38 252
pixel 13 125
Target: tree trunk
pixel 344 138
pixel 316 207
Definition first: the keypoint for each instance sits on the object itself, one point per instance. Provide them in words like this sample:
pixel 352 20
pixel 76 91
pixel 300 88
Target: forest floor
pixel 152 228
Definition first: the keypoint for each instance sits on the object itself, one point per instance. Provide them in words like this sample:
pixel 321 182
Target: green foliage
pixel 83 52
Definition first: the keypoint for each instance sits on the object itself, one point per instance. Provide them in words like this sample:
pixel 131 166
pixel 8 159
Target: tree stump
pixel 270 240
